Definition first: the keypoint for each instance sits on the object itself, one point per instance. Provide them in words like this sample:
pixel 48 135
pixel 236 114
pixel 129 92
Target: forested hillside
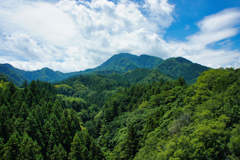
pixel 168 119
pixel 136 115
pixel 34 124
pixel 181 67
pixel 18 76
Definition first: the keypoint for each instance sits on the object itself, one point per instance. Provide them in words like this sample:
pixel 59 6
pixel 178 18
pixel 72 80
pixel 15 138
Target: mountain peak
pixel 47 69
pixel 182 60
pixel 142 61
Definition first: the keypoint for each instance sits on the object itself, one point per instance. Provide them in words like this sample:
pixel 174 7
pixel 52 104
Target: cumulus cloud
pixel 70 35
pixel 160 11
pixel 41 20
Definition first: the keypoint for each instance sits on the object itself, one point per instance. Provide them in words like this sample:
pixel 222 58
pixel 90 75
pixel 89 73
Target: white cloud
pixel 22 46
pixel 41 20
pixel 84 34
pixel 160 11
pixel 217 27
pixel 72 36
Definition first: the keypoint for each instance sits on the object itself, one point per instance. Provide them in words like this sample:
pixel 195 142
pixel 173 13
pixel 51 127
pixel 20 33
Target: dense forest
pixel 123 116
pixel 35 125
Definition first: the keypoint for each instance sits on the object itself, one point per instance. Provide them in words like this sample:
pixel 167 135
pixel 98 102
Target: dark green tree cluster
pixel 35 125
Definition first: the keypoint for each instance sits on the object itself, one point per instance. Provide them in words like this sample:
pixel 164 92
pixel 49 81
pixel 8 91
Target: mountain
pixel 19 76
pixel 126 61
pixel 119 63
pixel 173 67
pixel 123 65
pixel 47 74
pixel 181 67
pixel 12 74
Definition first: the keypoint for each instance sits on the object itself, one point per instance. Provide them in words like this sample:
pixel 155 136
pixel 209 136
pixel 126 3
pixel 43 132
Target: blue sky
pixel 69 35
pixel 189 12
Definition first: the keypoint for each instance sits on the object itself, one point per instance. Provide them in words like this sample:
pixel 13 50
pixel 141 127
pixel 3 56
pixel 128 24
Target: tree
pixel 95 151
pixel 234 142
pixel 31 126
pixel 5 128
pixel 50 146
pixel 131 143
pixel 149 127
pixel 76 148
pixel 29 149
pixel 58 153
pixel 24 84
pixel 1 147
pixel 11 148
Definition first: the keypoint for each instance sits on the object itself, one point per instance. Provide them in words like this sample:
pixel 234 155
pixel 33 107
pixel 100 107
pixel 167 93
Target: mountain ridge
pixel 118 63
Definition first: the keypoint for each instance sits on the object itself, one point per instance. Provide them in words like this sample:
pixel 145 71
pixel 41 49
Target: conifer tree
pixel 31 126
pixel 76 148
pixel 149 127
pixel 62 154
pixel 58 153
pixel 50 146
pixel 11 148
pixel 24 84
pixel 19 125
pixel 57 109
pixel 65 132
pixel 4 122
pixel 95 152
pixel 55 127
pixel 29 149
pixel 1 147
pixel 131 143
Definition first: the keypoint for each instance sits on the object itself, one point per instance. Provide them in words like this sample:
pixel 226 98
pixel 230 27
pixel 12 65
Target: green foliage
pixel 128 62
pixel 77 149
pixel 150 126
pixel 110 117
pixel 3 77
pixel 181 67
pixel 131 143
pixel 29 149
pixel 11 148
pixel 58 153
pixel 234 142
pixel 37 125
pixel 12 74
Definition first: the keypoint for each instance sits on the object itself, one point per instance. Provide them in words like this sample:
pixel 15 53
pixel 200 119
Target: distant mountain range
pixel 119 63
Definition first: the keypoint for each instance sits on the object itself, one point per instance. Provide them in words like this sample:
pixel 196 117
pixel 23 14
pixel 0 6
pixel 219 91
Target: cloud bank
pixel 75 35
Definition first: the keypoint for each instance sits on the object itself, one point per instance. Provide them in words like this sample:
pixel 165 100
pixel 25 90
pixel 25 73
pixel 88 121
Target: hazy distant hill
pixel 19 76
pixel 119 63
pixel 12 74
